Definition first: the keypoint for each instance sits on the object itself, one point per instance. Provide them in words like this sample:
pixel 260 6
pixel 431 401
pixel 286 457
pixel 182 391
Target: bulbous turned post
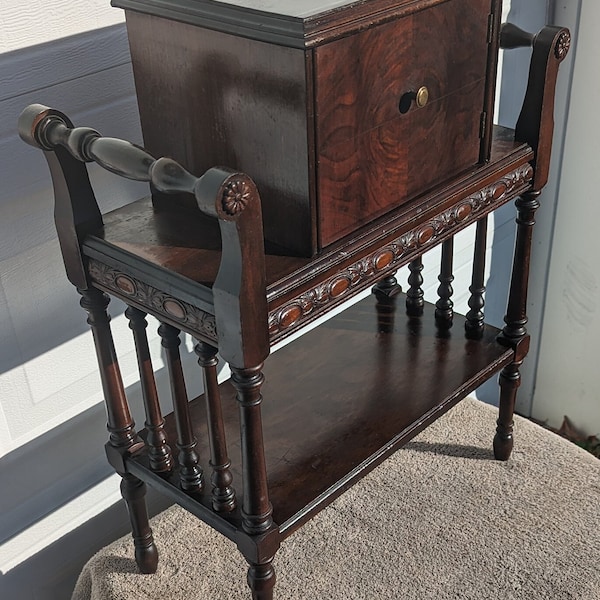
pixel 119 422
pixel 190 472
pixel 223 494
pixel 444 307
pixel 159 452
pixel 415 297
pixel 475 316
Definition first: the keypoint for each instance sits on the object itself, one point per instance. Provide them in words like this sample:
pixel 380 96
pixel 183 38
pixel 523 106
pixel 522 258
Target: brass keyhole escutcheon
pixel 420 98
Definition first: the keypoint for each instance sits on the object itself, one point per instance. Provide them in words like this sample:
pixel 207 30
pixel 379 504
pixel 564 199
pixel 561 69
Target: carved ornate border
pixel 372 267
pixel 155 301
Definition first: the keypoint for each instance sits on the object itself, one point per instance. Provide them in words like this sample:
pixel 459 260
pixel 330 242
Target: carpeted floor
pixel 438 520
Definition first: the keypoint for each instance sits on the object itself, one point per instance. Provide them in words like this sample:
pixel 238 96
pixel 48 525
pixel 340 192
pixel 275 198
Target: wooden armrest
pixel 239 291
pixel 535 124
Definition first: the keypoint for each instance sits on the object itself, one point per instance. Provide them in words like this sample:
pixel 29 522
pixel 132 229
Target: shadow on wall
pixel 48 457
pixel 89 77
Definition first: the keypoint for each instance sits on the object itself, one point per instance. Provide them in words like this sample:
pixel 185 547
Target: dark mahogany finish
pixel 370 156
pixel 223 494
pixel 444 307
pixel 159 451
pixel 190 473
pixel 475 315
pixel 373 376
pixel 335 149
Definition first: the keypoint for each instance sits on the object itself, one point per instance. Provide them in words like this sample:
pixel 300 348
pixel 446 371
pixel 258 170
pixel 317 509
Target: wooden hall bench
pixel 369 379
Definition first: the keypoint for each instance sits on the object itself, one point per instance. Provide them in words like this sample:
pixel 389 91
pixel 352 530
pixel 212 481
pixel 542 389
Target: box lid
pixel 294 23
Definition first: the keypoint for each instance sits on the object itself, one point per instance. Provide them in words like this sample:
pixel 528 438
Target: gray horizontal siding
pixel 89 77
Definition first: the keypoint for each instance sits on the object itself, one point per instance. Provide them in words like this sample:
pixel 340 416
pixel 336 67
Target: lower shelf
pixel 338 401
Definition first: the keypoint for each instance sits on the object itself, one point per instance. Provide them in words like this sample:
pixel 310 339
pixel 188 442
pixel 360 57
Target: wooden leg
pixel 256 508
pixel 119 422
pixel 514 333
pixel 510 379
pixel 120 426
pixel 261 579
pixel 134 493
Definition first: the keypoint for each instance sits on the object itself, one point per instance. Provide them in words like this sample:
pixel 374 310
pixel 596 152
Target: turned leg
pixel 122 436
pixel 261 579
pixel 256 508
pixel 514 333
pixel 134 493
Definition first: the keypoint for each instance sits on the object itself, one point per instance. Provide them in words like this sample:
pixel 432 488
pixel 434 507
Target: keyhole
pixel 420 98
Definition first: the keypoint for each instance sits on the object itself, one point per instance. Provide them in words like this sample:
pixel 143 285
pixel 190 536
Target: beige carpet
pixel 439 520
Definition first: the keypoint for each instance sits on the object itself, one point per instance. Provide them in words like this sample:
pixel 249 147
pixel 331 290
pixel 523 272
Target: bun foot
pixel 146 558
pixel 503 445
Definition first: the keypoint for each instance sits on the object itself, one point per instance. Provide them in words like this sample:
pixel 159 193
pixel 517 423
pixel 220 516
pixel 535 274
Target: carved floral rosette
pixel 154 301
pixel 372 267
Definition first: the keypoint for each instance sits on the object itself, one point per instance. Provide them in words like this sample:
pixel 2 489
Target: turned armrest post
pixel 535 125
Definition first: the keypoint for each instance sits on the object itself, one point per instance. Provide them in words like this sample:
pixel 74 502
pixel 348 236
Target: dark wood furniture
pixel 319 106
pixel 343 397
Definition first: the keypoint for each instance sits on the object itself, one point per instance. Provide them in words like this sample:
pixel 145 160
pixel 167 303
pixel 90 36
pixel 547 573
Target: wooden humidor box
pixel 317 101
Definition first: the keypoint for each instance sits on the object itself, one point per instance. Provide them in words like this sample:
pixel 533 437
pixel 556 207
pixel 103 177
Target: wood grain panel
pixel 371 158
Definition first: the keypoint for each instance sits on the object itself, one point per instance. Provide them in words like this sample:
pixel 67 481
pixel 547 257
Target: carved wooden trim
pixel 375 265
pixel 155 301
pixel 562 45
pixel 236 195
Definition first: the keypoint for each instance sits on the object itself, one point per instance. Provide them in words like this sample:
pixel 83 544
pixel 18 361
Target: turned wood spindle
pixel 444 307
pixel 223 494
pixel 415 295
pixel 159 452
pixel 190 472
pixel 120 425
pixel 475 316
